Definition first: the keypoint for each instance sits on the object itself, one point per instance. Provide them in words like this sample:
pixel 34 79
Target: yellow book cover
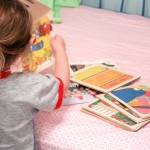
pixel 41 56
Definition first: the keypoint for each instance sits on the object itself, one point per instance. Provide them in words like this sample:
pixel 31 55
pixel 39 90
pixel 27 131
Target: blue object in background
pixel 91 3
pixel 139 7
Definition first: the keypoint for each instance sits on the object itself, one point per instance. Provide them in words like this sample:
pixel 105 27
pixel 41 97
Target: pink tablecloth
pixel 94 34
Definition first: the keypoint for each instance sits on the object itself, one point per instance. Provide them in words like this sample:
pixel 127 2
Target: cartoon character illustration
pixel 37 46
pixel 137 97
pixel 40 45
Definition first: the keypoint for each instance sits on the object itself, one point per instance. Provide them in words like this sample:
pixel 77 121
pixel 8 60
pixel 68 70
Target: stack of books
pixel 113 101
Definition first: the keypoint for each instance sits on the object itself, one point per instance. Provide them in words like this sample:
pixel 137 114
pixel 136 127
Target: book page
pixel 136 97
pixel 120 107
pixel 80 94
pixel 103 109
pixel 75 66
pixel 101 78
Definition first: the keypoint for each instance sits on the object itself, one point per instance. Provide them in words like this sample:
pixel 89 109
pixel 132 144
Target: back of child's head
pixel 15 31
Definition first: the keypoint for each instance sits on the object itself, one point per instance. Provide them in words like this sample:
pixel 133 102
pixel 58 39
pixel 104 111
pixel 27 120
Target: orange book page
pixel 103 77
pixel 116 82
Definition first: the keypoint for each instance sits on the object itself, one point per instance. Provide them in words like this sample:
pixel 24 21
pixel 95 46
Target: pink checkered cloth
pixel 96 34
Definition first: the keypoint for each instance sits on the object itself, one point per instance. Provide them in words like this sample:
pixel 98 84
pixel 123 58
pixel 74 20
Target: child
pixel 23 94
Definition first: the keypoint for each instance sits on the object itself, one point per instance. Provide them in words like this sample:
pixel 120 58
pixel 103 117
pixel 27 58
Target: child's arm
pixel 61 61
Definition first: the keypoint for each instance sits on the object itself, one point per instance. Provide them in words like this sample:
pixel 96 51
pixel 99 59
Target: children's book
pixel 81 94
pixel 102 78
pixel 75 66
pixel 106 112
pixel 78 94
pixel 134 97
pixel 120 107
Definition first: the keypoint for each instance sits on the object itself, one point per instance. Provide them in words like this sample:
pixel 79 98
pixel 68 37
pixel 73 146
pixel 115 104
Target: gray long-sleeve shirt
pixel 22 95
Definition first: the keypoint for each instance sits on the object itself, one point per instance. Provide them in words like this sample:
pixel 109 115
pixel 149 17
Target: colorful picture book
pixel 102 78
pixel 134 97
pixel 78 94
pixel 75 66
pixel 106 112
pixel 81 94
pixel 120 107
pixel 41 56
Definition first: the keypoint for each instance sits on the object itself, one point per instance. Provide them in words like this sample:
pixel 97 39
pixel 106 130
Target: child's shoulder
pixel 31 77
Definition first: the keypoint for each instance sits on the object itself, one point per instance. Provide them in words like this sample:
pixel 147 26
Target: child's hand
pixel 58 44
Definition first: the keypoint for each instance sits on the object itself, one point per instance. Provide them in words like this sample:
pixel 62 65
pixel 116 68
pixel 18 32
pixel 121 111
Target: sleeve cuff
pixel 60 94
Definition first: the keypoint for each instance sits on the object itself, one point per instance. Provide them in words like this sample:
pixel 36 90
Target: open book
pixel 106 112
pixel 102 78
pixel 77 93
pixel 135 97
pixel 75 66
pixel 120 107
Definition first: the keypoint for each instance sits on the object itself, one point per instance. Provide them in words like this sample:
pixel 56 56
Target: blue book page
pixel 138 97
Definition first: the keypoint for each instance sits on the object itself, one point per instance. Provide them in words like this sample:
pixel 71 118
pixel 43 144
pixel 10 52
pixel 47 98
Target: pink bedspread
pixel 94 34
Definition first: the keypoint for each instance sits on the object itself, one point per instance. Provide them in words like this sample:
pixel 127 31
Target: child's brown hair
pixel 15 31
